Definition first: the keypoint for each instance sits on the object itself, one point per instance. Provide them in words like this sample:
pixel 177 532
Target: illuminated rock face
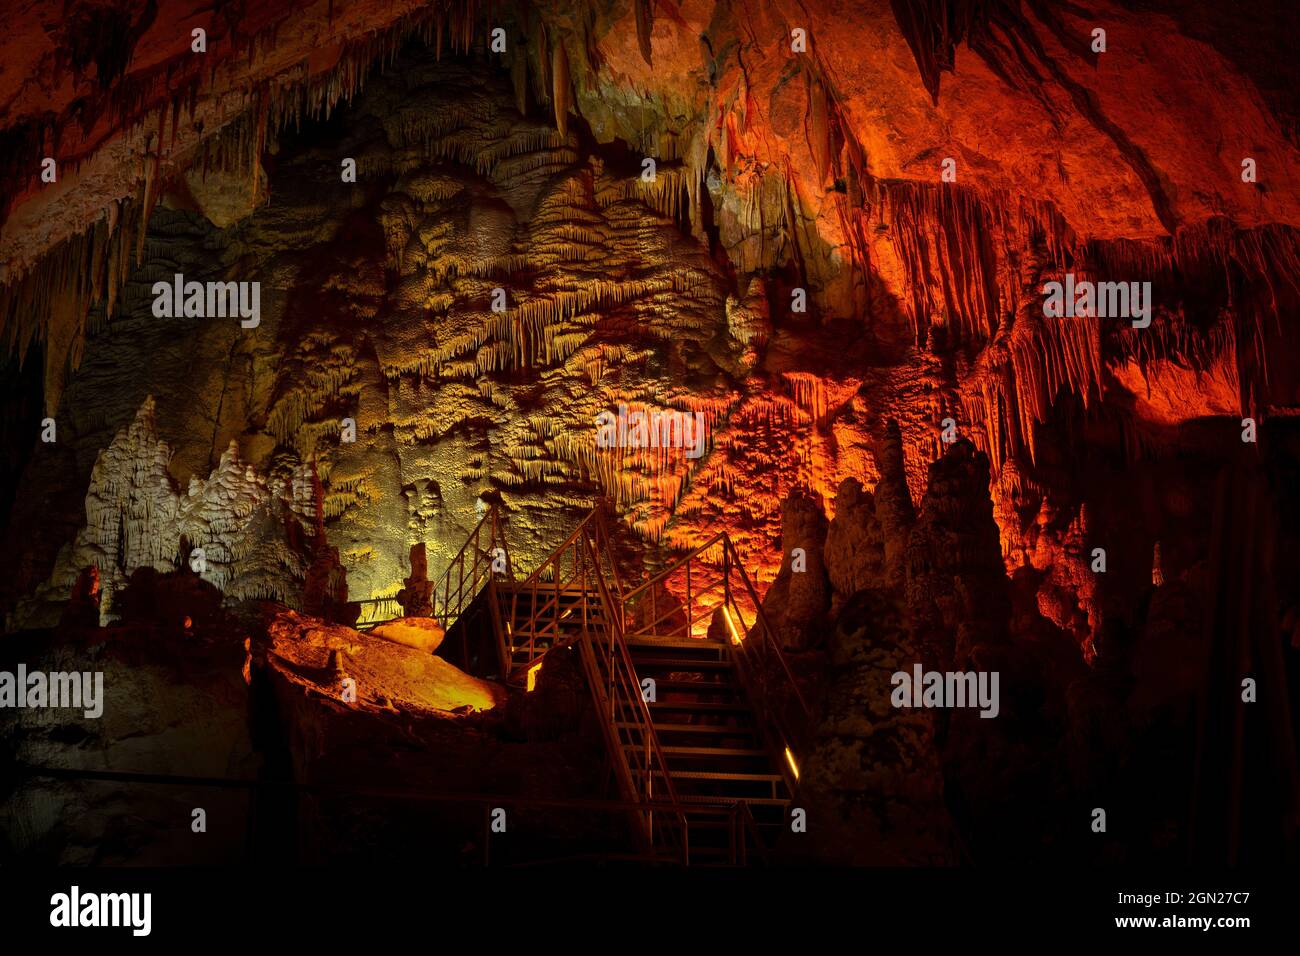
pixel 820 232
pixel 387 672
pixel 797 273
pixel 234 530
pixel 468 321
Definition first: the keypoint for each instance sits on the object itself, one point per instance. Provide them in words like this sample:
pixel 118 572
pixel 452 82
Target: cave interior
pixel 392 389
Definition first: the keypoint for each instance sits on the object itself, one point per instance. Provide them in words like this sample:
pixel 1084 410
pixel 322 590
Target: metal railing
pixel 573 597
pixel 629 729
pixel 467 574
pixel 705 590
pixel 472 568
pixel 577 596
pixel 783 715
pixel 553 605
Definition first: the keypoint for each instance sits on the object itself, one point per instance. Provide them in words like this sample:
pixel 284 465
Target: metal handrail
pixel 688 556
pixel 765 674
pixel 583 564
pixel 765 627
pixel 621 693
pixel 743 824
pixel 753 645
pixel 448 602
pixel 549 576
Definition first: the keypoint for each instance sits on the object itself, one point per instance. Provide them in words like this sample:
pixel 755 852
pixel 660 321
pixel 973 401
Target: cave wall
pixel 949 455
pixel 780 168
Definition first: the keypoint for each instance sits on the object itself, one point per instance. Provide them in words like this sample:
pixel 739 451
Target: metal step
pixel 679 664
pixel 653 642
pixel 703 686
pixel 718 730
pixel 542 587
pixel 725 801
pixel 740 707
pixel 713 752
pixel 724 777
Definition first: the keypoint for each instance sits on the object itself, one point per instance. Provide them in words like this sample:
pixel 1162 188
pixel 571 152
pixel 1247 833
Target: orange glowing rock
pixel 1166 393
pixel 388 675
pixel 422 633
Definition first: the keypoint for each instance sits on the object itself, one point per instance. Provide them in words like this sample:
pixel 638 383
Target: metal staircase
pixel 701 716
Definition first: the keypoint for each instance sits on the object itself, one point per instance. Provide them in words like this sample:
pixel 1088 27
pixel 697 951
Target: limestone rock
pixel 893 501
pixel 873 785
pixel 798 600
pixel 956 583
pixel 234 530
pixel 422 633
pixel 416 596
pixel 309 652
pixel 855 547
pixel 171 704
pixel 225 197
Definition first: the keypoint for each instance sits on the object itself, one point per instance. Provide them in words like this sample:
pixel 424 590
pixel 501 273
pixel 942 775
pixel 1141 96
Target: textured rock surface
pixel 388 674
pixel 799 598
pixel 956 584
pixel 423 633
pixel 777 171
pixel 262 705
pixel 855 545
pixel 873 785
pixel 172 704
pixel 235 530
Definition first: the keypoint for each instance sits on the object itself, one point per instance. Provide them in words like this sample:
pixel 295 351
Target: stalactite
pixel 644 26
pixel 943 236
pixel 539 51
pixel 821 132
pixel 562 86
pixel 821 398
pixel 150 197
pixel 1258 268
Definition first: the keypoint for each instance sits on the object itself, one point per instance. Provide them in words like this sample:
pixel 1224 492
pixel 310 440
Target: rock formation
pixel 234 530
pixel 820 235
pixel 416 596
pixel 874 783
pixel 797 602
pixel 956 584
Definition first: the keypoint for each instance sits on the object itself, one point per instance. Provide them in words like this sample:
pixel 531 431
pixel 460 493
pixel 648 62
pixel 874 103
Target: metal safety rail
pixel 707 590
pixel 577 597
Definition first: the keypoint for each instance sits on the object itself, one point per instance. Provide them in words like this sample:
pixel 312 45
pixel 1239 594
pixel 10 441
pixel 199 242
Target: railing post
pixel 690 604
pixel 460 583
pixel 734 836
pixel 726 576
pixel 654 607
